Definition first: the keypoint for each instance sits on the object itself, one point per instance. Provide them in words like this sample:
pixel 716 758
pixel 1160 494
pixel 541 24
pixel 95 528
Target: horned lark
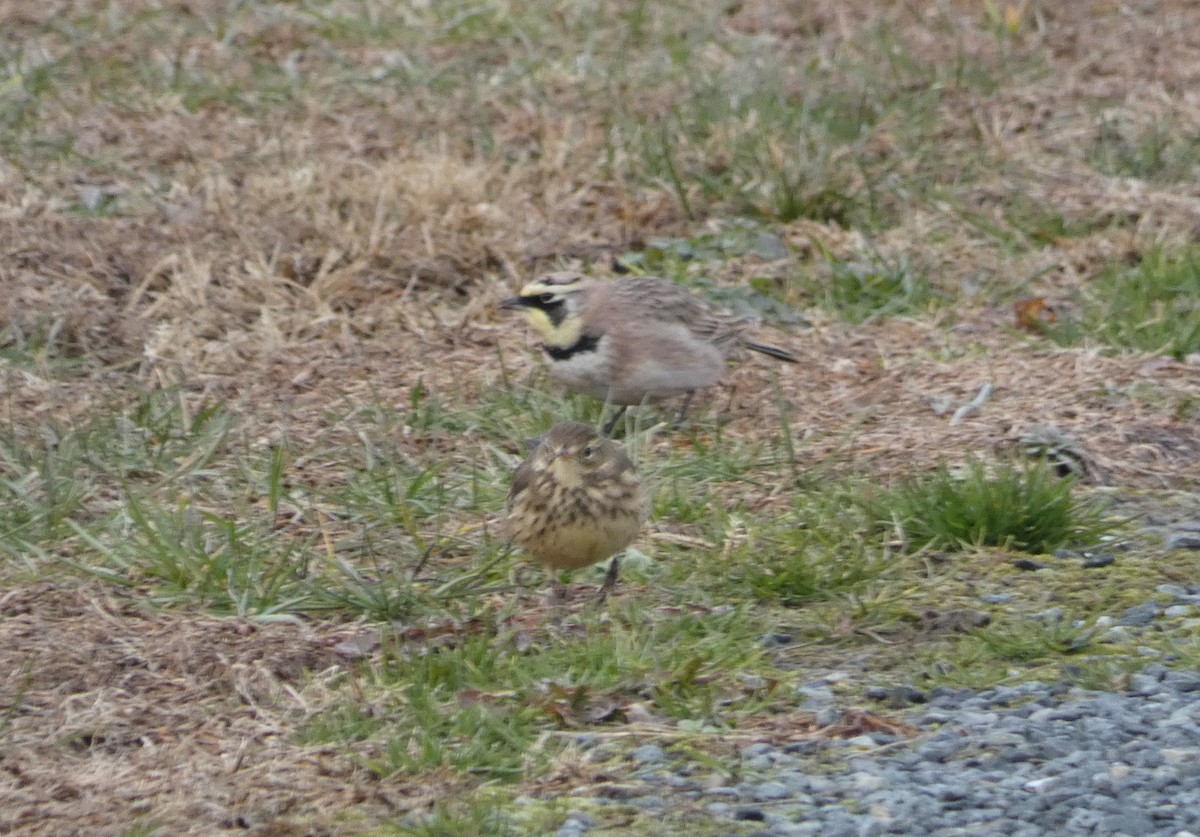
pixel 576 500
pixel 633 339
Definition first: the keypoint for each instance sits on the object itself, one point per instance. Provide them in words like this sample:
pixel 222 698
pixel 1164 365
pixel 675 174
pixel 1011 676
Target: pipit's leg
pixel 611 424
pixel 558 591
pixel 687 402
pixel 610 579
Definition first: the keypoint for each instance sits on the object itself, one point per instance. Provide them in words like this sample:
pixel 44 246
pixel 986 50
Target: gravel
pixel 1034 759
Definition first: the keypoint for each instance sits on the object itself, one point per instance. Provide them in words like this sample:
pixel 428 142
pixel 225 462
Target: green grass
pixel 477 816
pixel 877 286
pixel 816 548
pixel 169 501
pixel 1151 307
pixel 481 704
pixel 1043 224
pixel 1022 507
pixel 37 345
pixel 856 290
pixel 1163 152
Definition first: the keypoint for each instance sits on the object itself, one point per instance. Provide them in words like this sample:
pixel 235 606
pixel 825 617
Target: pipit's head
pixel 553 305
pixel 576 455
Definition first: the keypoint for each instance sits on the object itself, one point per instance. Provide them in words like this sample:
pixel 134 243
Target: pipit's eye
pixel 589 451
pixel 546 298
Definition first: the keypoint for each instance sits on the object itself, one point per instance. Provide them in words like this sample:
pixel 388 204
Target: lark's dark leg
pixel 610 579
pixel 611 424
pixel 687 402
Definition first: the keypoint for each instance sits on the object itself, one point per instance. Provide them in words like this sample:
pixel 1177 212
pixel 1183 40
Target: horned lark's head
pixel 553 305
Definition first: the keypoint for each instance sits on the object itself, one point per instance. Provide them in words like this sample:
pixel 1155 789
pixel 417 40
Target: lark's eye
pixel 589 451
pixel 546 298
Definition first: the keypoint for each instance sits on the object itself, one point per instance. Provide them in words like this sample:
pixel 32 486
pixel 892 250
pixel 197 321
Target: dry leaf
pixel 1034 314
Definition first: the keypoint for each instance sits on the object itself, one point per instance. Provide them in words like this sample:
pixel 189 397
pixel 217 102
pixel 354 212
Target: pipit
pixel 575 501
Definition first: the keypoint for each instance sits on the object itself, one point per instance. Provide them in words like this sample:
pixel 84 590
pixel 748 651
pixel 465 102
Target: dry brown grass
pixel 126 714
pixel 338 246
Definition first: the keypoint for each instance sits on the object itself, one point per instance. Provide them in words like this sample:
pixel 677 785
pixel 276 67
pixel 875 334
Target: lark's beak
pixel 513 303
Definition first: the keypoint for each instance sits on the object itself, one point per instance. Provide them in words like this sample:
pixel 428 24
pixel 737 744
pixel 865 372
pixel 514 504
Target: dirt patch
pixel 116 715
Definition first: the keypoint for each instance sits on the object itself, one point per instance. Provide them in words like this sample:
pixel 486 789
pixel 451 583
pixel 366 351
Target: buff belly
pixel 574 544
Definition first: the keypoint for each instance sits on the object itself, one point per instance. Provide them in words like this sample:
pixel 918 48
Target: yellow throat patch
pixel 562 336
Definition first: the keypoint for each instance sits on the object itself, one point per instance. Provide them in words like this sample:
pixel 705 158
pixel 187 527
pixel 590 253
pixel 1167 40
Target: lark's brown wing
pixel 653 299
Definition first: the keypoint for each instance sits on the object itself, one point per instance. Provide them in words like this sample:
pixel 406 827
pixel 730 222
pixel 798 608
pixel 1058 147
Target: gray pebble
pixel 867 782
pixel 1001 696
pixel 906 695
pixel 999 739
pixel 1141 615
pixel 1116 634
pixel 1183 681
pixel 1143 684
pixel 746 814
pixel 682 783
pixel 827 716
pixel 815 689
pixel 825 786
pixel 1029 564
pixel 649 754
pixel 759 749
pixel 723 790
pixel 978 719
pixel 762 762
pixel 869 827
pixel 1183 540
pixel 777 640
pixel 949 697
pixel 1174 590
pixel 936 717
pixel 1129 822
pixel 997 598
pixel 795 780
pixel 576 825
pixel 771 790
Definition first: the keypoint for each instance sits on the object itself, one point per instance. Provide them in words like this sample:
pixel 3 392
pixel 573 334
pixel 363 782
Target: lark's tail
pixel 773 351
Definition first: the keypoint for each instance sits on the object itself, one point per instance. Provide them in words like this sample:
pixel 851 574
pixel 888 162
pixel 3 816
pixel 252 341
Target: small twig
pixel 429 550
pixel 974 404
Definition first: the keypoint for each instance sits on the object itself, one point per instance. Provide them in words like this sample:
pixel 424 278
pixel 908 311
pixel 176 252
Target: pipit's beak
pixel 513 303
pixel 532 444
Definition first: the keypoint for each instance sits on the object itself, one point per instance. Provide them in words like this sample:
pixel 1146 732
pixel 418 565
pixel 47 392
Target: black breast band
pixel 586 343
